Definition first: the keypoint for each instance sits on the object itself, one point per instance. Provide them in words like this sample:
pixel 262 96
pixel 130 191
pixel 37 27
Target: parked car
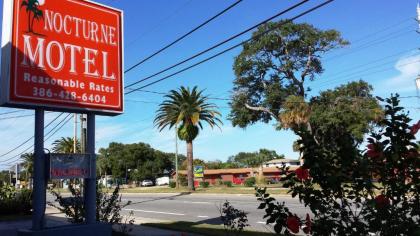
pixel 146 183
pixel 162 181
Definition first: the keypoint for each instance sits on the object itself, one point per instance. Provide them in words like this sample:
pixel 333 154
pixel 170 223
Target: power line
pixel 15 117
pixel 26 141
pixel 18 155
pixel 183 36
pixel 67 121
pixel 10 112
pixel 373 61
pixel 156 26
pixel 221 43
pixel 363 71
pixel 383 29
pixel 233 47
pixel 358 76
pixel 163 93
pixel 359 48
pixel 368 45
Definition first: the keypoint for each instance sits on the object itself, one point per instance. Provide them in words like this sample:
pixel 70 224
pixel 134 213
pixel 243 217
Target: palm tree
pixel 31 7
pixel 65 145
pixel 28 163
pixel 37 16
pixel 188 109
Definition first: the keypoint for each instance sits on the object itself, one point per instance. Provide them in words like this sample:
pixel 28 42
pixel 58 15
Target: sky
pixel 383 51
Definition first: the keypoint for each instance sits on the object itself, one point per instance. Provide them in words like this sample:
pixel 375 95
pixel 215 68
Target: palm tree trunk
pixel 261 174
pixel 190 172
pixel 29 22
pixel 32 24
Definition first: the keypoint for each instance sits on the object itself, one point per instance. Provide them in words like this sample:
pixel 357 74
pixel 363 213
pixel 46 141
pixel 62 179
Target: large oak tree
pixel 272 72
pixel 275 66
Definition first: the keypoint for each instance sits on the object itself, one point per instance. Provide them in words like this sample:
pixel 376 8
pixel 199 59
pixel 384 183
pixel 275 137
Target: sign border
pixel 48 159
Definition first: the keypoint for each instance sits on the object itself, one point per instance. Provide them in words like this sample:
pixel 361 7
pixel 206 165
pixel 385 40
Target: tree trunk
pixel 32 30
pixel 190 172
pixel 260 179
pixel 29 22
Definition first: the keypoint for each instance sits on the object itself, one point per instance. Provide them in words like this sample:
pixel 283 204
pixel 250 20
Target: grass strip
pixel 201 228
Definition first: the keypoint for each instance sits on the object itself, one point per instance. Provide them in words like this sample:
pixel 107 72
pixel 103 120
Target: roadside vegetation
pixel 202 228
pixel 108 207
pixel 14 203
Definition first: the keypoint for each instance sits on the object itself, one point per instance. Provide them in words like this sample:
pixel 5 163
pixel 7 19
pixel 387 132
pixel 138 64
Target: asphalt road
pixel 202 207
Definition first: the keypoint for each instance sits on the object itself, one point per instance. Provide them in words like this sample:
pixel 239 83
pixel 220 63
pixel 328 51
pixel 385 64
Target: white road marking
pixel 261 222
pixel 197 202
pixel 157 212
pixel 202 216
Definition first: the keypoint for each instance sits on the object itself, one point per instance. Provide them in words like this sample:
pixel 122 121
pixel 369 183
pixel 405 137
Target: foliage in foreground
pixel 108 207
pixel 234 220
pixel 335 182
pixel 14 201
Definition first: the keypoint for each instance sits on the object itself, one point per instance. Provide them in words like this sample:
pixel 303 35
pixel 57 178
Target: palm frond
pixel 184 106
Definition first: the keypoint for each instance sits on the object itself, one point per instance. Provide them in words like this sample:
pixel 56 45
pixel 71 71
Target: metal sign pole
pixel 39 195
pixel 90 183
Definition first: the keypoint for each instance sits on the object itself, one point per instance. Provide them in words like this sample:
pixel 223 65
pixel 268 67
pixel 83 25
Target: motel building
pixel 271 171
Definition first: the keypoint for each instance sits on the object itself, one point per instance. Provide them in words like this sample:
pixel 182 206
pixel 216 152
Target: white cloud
pixel 108 132
pixel 409 69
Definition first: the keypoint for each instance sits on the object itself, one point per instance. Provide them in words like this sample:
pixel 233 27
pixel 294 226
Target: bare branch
pixel 263 109
pixel 307 66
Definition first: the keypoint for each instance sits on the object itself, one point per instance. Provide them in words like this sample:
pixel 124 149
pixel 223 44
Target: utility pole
pixel 82 140
pixel 75 133
pixel 176 156
pixel 16 171
pixel 82 133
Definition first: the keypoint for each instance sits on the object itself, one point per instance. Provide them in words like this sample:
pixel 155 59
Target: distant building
pixel 280 162
pixel 239 175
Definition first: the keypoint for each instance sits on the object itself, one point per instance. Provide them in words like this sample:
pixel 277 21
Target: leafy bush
pixel 172 184
pixel 250 182
pixel 183 180
pixel 227 183
pixel 15 202
pixel 108 207
pixel 234 220
pixel 335 182
pixel 204 184
pixel 218 182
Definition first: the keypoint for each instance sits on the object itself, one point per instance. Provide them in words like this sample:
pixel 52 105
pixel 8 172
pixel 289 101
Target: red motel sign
pixel 62 55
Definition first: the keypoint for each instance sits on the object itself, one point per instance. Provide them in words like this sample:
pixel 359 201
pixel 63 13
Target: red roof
pixel 238 170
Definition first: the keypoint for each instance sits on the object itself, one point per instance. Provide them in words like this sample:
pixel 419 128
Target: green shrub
pixel 218 182
pixel 7 192
pixel 234 220
pixel 204 184
pixel 335 181
pixel 183 180
pixel 108 206
pixel 15 202
pixel 227 183
pixel 250 182
pixel 172 184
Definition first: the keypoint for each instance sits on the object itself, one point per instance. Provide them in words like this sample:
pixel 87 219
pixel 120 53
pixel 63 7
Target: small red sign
pixel 62 55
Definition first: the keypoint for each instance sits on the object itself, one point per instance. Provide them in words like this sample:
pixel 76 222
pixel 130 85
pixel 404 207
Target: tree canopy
pixel 139 160
pixel 254 159
pixel 189 109
pixel 65 145
pixel 275 66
